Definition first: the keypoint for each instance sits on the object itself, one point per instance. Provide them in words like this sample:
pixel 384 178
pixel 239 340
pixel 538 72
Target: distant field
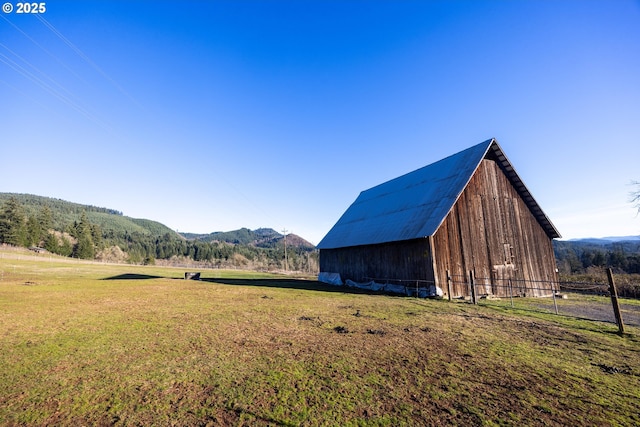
pixel 95 344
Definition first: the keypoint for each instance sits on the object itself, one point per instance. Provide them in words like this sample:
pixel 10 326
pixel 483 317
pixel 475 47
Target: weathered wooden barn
pixel 467 212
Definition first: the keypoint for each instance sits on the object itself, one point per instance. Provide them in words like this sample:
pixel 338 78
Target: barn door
pixel 503 275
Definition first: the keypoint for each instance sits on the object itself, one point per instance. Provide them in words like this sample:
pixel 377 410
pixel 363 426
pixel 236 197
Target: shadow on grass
pixel 300 284
pixel 132 276
pixel 306 285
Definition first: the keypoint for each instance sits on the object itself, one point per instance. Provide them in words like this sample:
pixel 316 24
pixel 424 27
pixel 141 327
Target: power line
pixel 88 60
pixel 26 96
pixel 46 82
pixel 40 72
pixel 58 60
pixel 45 86
pixel 65 96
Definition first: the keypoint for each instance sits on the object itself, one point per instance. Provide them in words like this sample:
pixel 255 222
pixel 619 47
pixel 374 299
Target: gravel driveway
pixel 594 308
pixel 582 306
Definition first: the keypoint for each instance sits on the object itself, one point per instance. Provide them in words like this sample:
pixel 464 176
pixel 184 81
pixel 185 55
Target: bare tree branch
pixel 634 196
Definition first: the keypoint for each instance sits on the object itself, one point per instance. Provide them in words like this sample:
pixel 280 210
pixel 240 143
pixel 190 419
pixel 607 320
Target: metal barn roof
pixel 414 205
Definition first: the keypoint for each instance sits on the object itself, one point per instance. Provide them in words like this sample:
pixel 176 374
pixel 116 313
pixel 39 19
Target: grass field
pixel 93 344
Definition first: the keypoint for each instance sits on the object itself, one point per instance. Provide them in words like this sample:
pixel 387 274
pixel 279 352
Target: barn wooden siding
pixel 410 259
pixel 491 231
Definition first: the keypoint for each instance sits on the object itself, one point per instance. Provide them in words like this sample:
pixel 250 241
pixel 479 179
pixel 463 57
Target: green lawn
pixel 94 344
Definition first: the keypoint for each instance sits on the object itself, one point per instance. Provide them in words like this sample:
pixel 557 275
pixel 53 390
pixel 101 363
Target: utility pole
pixel 286 261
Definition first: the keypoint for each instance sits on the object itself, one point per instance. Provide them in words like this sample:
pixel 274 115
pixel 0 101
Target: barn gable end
pixel 491 232
pixel 469 211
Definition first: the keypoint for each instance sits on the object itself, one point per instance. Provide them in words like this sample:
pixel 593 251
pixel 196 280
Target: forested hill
pixel 577 256
pixel 90 232
pixel 261 238
pixel 64 213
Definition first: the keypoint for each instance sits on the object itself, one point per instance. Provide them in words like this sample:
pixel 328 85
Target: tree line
pixel 577 257
pixel 83 239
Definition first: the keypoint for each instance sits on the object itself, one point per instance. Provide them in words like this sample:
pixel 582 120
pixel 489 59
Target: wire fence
pixel 584 300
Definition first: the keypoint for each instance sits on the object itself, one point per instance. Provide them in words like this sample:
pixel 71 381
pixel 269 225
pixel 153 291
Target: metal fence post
pixel 449 284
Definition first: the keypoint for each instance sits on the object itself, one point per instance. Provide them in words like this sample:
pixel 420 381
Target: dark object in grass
pixel 612 369
pixel 376 332
pixel 341 330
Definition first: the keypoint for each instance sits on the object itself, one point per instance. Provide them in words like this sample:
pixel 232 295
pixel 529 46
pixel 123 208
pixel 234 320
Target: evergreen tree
pixel 13 228
pixel 66 248
pixel 33 232
pixel 51 243
pixel 73 229
pixel 96 236
pixel 85 248
pixel 45 219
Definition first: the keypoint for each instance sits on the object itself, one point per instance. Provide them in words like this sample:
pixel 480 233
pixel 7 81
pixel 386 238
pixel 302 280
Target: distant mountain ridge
pixel 260 237
pixel 606 240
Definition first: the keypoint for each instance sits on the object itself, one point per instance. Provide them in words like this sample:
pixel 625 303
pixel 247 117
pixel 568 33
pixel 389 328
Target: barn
pixel 467 213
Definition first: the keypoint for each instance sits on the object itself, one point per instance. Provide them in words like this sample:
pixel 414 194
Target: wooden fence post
pixel 473 287
pixel 449 285
pixel 614 301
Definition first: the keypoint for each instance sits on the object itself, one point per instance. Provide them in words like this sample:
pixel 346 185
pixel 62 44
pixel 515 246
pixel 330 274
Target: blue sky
pixel 211 116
